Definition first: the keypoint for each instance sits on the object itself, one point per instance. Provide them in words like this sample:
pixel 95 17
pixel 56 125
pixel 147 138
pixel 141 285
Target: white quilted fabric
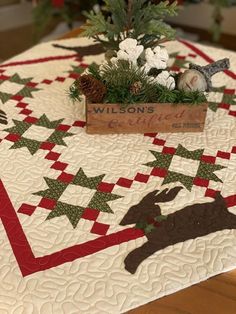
pixel 98 283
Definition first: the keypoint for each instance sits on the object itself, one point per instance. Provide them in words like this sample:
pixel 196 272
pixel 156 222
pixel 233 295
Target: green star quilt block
pixel 33 135
pixel 185 166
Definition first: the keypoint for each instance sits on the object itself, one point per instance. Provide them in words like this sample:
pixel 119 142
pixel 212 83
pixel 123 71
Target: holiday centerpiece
pixel 133 91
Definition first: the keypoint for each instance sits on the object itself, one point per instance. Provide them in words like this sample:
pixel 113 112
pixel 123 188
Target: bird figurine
pixel 199 77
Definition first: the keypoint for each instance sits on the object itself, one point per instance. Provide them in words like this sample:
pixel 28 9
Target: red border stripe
pixel 30 264
pixel 204 56
pixel 231 200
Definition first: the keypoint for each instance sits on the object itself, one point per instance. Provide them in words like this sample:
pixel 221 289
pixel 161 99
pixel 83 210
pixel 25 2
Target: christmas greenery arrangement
pixel 138 19
pixel 136 67
pixel 124 83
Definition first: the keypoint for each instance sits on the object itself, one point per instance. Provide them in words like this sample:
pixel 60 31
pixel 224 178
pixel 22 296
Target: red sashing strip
pixel 40 60
pixel 231 200
pixel 30 264
pixel 204 56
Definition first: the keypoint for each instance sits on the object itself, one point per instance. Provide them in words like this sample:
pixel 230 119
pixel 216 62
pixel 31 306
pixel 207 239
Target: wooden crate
pixel 145 118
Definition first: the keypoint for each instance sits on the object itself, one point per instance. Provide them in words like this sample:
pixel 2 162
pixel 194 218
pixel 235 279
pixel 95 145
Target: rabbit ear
pixel 145 207
pixel 150 196
pixel 167 196
pixel 132 216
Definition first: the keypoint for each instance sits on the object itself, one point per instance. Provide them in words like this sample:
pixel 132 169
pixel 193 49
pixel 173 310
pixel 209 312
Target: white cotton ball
pixel 139 50
pixel 156 58
pixel 156 50
pixel 164 75
pixel 130 50
pixel 149 53
pixel 122 55
pixel 170 83
pixel 165 79
pixel 162 53
pixel 128 43
pixel 114 60
pixel 161 81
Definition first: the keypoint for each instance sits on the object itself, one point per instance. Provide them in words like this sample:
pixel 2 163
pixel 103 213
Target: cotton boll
pixel 161 53
pixel 149 52
pixel 114 60
pixel 160 81
pixel 170 83
pixel 156 58
pixel 122 55
pixel 130 50
pixel 165 79
pixel 128 43
pixel 139 50
pixel 164 75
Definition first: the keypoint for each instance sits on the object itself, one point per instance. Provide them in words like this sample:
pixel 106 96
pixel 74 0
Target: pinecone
pixel 92 88
pixel 135 88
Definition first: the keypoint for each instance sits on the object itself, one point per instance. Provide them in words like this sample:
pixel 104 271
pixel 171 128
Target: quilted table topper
pixel 103 224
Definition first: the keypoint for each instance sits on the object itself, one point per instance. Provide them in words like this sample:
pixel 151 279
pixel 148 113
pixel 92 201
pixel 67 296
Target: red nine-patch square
pixel 90 214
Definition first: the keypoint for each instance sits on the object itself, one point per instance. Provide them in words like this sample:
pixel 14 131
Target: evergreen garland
pixel 119 78
pixel 130 19
pixel 132 31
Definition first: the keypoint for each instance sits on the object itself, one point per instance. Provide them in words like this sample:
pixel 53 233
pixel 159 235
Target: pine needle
pixel 74 92
pixel 93 69
pixel 130 19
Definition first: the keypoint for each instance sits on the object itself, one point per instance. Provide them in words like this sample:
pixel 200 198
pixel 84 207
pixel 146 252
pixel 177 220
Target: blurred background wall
pixel 15 27
pixel 16 23
pixel 200 16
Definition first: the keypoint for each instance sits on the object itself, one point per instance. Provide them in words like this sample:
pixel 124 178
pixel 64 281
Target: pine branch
pixel 118 15
pixel 96 24
pixel 133 19
pixel 93 69
pixel 164 29
pixel 149 20
pixel 74 92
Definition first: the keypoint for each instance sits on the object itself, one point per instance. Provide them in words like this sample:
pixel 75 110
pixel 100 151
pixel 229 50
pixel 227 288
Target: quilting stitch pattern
pixel 104 255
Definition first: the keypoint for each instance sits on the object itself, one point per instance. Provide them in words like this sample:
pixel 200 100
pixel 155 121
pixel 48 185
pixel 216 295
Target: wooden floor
pixel 214 296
